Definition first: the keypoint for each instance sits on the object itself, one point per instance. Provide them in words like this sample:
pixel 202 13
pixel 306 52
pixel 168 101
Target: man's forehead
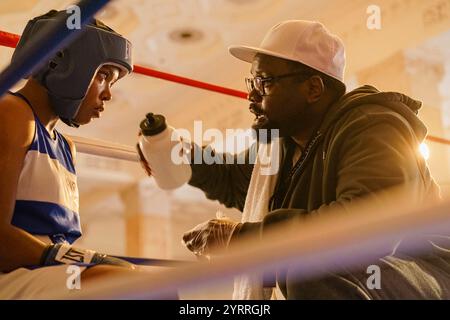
pixel 267 64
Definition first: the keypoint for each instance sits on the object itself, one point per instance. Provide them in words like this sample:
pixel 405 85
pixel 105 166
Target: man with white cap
pixel 335 148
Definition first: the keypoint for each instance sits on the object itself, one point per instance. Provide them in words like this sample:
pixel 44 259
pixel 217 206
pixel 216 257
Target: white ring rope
pixel 105 148
pixel 339 237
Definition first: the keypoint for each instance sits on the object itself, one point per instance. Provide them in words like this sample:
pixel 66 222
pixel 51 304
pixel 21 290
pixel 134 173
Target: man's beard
pixel 264 128
pixel 261 122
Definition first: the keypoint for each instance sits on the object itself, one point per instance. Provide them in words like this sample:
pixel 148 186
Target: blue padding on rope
pixel 136 261
pixel 47 45
pixel 269 278
pixel 268 281
pixel 155 262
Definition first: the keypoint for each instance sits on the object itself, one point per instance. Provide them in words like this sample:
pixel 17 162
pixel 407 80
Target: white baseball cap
pixel 308 42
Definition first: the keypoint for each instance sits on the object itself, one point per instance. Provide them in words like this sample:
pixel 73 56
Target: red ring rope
pixel 438 140
pixel 10 40
pixel 189 82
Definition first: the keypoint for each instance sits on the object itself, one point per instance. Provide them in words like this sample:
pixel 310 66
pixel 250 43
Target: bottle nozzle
pixel 150 118
pixel 153 124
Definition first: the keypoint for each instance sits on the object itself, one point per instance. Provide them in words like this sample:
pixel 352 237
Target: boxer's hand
pixel 66 254
pixel 210 235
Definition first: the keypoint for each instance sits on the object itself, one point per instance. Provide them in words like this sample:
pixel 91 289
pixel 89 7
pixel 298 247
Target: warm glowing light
pixel 424 150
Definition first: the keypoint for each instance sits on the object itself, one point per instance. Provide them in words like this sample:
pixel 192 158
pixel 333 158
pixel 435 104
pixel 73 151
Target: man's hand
pixel 66 254
pixel 210 235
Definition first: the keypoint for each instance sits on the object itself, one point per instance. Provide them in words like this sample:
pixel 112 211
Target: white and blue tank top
pixel 47 200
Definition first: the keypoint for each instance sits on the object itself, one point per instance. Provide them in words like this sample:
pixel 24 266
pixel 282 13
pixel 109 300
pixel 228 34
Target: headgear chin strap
pixel 68 75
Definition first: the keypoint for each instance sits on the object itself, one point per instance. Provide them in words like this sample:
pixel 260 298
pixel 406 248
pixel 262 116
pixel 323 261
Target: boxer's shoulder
pixel 13 107
pixel 17 119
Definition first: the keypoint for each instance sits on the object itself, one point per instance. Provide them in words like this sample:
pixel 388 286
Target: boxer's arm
pixel 17 247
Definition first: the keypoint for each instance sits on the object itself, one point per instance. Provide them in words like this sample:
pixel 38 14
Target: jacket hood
pixel 407 107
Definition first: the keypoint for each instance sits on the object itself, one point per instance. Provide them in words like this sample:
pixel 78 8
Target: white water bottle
pixel 163 149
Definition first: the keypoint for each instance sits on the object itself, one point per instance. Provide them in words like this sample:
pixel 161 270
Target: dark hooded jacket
pixel 368 141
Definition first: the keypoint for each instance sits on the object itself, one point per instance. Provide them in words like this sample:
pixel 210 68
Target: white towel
pixel 261 188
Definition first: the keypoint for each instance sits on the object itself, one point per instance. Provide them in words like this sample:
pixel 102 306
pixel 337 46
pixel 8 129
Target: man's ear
pixel 316 89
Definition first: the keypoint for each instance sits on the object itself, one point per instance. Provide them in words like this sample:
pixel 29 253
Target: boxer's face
pixel 98 93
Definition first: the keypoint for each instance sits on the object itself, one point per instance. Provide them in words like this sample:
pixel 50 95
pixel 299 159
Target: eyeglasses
pixel 259 83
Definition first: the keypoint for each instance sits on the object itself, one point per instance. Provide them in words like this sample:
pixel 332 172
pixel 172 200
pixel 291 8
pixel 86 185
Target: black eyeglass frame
pixel 258 83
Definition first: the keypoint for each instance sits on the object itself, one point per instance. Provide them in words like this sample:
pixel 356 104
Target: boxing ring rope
pixel 10 40
pixel 351 239
pixel 103 148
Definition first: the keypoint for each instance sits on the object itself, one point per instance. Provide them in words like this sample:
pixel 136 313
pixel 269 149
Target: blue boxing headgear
pixel 68 75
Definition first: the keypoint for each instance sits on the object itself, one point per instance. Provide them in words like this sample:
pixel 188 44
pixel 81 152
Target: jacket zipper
pixel 305 156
